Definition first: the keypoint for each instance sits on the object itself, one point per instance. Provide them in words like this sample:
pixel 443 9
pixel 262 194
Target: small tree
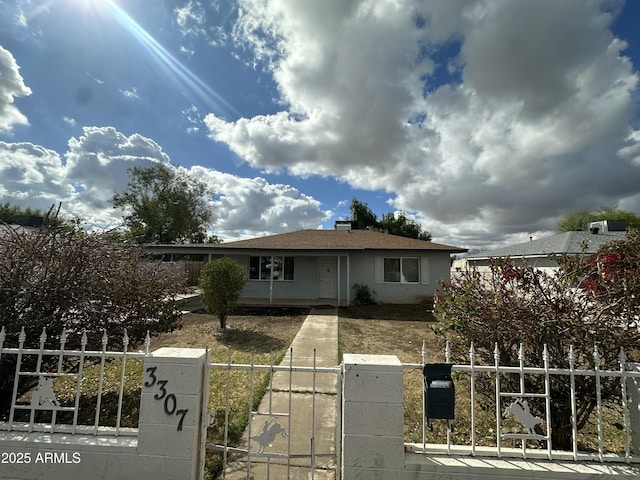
pixel 221 282
pixel 590 301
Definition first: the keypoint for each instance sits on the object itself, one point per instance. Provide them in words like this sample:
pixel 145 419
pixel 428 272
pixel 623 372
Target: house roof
pixel 571 243
pixel 12 228
pixel 316 240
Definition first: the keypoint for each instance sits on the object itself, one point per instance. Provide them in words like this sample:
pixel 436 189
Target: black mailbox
pixel 439 393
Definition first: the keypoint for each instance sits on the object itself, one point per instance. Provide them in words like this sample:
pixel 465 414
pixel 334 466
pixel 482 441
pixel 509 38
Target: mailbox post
pixel 439 393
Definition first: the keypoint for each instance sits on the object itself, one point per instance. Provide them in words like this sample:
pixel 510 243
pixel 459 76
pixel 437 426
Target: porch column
pixel 271 282
pixel 348 280
pixel 338 280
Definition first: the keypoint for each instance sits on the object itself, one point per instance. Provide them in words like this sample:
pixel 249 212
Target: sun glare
pixel 93 5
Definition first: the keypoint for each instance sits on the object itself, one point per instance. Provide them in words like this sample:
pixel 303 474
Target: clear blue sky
pixel 485 121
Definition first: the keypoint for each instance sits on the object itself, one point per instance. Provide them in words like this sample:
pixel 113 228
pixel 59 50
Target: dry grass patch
pixel 256 334
pixel 365 330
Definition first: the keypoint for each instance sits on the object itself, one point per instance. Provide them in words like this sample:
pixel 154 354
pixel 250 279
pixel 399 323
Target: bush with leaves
pixel 364 295
pixel 63 277
pixel 591 301
pixel 221 282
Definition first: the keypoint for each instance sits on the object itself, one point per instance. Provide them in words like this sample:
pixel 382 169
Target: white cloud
pixel 131 94
pixel 529 121
pixel 69 120
pixel 31 175
pixel 197 20
pixel 253 206
pixel 631 151
pixel 96 167
pixel 191 19
pixel 11 86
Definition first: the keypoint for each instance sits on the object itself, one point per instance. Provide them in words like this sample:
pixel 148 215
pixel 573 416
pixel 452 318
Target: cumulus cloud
pixel 530 119
pixel 11 86
pixel 98 160
pixel 95 167
pixel 31 174
pixel 253 206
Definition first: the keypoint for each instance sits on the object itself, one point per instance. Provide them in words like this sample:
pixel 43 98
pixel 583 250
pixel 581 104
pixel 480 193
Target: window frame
pixel 382 275
pixel 286 268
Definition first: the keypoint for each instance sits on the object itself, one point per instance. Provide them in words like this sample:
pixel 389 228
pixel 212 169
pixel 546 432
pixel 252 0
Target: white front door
pixel 327 277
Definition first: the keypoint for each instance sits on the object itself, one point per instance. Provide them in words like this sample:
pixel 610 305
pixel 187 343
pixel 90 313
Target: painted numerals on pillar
pixel 169 400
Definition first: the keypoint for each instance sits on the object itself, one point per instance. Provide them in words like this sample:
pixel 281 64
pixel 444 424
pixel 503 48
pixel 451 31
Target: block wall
pixel 169 432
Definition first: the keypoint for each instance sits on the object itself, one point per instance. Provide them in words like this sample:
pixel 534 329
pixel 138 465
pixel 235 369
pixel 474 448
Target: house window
pixel 399 270
pixel 260 268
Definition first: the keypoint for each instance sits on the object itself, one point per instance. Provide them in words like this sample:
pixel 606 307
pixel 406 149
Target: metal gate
pixel 292 415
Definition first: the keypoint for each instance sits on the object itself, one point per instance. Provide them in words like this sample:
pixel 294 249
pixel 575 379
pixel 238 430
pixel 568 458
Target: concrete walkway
pixel 320 332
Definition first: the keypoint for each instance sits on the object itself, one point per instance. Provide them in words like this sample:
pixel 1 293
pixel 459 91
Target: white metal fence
pixel 512 411
pixel 278 434
pixel 47 389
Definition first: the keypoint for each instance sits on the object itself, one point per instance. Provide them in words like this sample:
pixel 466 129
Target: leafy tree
pixel 591 301
pixel 362 214
pixel 221 282
pixel 214 240
pixel 575 221
pixel 393 223
pixel 399 224
pixel 163 205
pixel 580 219
pixel 11 214
pixel 63 277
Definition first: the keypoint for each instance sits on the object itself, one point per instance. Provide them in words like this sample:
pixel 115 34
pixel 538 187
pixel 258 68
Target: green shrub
pixel 221 282
pixel 364 295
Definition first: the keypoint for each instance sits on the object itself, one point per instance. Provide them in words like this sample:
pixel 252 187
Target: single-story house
pixel 540 252
pixel 322 266
pixel 12 228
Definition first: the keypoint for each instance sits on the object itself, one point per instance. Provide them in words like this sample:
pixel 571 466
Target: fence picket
pixel 83 346
pixel 622 360
pixel 523 371
pixel 574 414
pixel 472 362
pixel 496 359
pixel 547 390
pixel 105 339
pixel 123 366
pixel 596 361
pixel 54 362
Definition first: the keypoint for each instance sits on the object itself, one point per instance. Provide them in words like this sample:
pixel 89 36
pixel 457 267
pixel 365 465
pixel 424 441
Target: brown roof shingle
pixel 338 240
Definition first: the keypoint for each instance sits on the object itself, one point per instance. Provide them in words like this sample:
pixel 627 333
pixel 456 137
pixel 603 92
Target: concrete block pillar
pixel 633 392
pixel 372 415
pixel 172 410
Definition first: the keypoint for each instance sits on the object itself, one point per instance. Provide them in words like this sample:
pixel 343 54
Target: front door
pixel 327 277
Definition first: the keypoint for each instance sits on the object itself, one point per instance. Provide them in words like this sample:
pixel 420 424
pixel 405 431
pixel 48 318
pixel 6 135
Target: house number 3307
pixel 170 402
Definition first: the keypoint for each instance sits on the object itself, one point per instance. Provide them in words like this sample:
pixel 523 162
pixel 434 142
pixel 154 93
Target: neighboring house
pixel 539 253
pixel 13 229
pixel 22 224
pixel 321 266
